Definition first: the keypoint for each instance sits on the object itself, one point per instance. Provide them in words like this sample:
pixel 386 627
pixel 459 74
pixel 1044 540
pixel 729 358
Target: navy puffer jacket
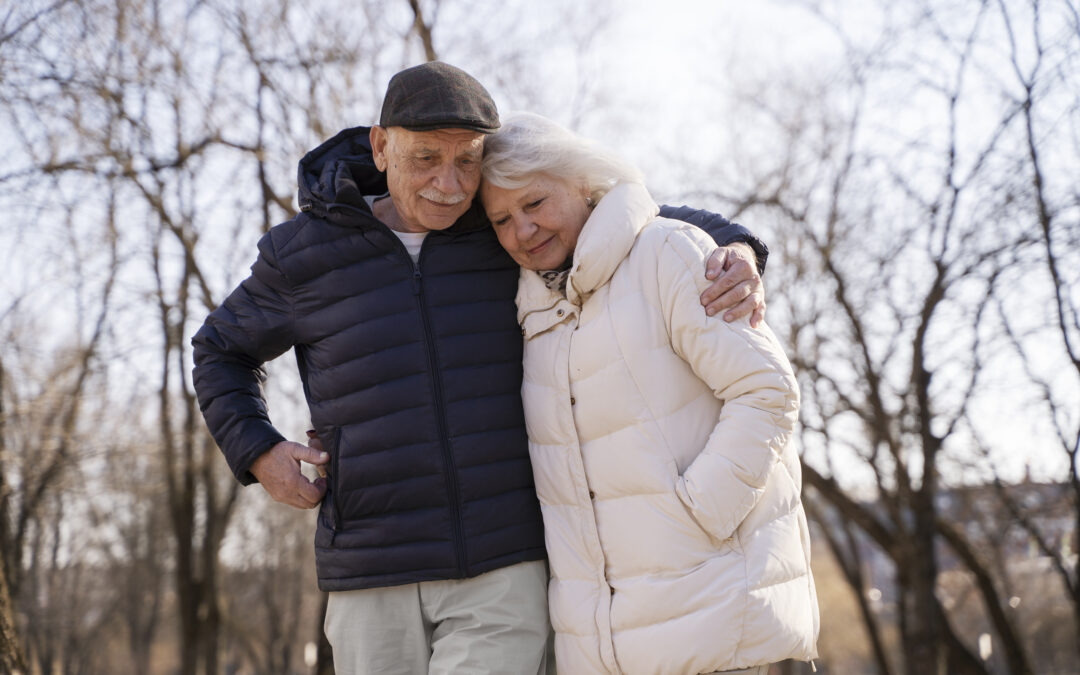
pixel 412 374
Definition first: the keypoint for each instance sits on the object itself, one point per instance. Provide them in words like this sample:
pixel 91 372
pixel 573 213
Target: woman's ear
pixel 586 193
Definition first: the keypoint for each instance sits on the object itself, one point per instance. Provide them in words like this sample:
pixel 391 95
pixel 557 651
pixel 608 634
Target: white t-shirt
pixel 412 240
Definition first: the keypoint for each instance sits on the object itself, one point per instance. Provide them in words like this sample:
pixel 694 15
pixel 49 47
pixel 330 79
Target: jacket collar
pixel 607 238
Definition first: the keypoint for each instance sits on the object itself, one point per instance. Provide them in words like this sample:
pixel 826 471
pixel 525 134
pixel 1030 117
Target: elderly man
pixel 398 301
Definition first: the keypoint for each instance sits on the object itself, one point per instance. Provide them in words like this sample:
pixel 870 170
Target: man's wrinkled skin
pixel 278 470
pixel 737 285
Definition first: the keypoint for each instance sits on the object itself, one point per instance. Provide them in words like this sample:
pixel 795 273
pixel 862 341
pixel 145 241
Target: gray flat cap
pixel 436 95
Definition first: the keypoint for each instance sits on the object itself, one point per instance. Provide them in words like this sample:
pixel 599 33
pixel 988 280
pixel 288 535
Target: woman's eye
pixel 500 221
pixel 533 205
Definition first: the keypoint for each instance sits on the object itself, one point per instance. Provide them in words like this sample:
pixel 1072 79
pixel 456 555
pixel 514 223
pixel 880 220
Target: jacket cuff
pixel 761 251
pixel 240 461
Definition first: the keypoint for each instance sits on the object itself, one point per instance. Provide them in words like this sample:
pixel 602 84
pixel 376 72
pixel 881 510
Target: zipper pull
pixel 416 281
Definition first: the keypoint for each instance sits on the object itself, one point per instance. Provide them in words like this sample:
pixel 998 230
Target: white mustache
pixel 440 197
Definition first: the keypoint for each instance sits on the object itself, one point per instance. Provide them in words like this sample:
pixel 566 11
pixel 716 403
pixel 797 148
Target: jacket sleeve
pixel 254 325
pixel 747 371
pixel 722 230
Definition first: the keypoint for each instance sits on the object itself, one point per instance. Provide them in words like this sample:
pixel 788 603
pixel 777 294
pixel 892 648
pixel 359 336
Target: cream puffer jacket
pixel 659 440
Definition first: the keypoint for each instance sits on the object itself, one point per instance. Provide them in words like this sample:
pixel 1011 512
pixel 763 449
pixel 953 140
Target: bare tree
pixel 41 454
pixel 904 222
pixel 150 144
pixel 1037 66
pixel 11 653
pixel 129 518
pixel 271 629
pixel 11 658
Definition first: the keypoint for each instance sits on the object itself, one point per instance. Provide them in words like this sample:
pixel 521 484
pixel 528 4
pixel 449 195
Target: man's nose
pixel 448 179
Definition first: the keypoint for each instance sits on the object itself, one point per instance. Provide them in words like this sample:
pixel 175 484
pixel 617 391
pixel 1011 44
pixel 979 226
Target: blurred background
pixel 914 167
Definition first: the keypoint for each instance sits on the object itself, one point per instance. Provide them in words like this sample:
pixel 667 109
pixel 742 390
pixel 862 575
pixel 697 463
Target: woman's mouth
pixel 540 247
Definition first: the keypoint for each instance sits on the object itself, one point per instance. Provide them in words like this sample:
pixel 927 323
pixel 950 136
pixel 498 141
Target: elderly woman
pixel 659 436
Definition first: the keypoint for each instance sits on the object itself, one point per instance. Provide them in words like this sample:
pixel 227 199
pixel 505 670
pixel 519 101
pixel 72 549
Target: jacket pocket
pixel 691 520
pixel 333 482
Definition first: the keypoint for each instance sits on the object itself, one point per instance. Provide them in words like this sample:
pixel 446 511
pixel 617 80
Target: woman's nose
pixel 524 226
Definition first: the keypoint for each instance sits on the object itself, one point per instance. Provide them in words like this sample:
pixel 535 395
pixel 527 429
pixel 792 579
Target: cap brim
pixel 433 126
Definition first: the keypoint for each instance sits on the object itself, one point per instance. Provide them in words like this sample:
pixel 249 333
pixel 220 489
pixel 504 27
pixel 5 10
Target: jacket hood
pixel 338 174
pixel 334 178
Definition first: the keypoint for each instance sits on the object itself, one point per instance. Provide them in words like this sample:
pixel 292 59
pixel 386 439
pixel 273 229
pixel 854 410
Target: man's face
pixel 432 175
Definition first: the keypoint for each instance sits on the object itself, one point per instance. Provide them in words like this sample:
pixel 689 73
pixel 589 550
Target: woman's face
pixel 538 224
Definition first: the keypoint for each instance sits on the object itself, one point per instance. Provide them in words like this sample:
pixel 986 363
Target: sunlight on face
pixel 432 175
pixel 538 224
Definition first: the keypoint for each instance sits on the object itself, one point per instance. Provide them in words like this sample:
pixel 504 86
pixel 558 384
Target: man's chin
pixel 440 221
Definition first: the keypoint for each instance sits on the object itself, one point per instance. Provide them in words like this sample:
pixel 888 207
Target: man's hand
pixel 278 469
pixel 736 284
pixel 316 443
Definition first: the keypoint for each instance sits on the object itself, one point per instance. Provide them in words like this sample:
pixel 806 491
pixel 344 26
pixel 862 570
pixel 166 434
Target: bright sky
pixel 673 67
pixel 670 68
pixel 674 59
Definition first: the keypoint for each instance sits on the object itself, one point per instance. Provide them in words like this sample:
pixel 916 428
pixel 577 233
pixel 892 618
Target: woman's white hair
pixel 528 144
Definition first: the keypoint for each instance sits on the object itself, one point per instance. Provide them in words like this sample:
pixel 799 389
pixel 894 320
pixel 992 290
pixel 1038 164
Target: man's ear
pixel 379 138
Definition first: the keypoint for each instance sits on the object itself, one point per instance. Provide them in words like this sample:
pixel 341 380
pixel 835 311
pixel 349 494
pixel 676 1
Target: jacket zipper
pixel 335 485
pixel 452 488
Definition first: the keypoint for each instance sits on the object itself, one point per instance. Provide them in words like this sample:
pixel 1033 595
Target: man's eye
pixel 501 221
pixel 533 205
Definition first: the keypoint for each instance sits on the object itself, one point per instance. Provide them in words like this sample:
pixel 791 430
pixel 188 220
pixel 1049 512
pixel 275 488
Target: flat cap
pixel 436 95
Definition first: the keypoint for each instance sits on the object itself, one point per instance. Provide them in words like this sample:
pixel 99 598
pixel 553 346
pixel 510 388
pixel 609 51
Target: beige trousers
pixel 494 623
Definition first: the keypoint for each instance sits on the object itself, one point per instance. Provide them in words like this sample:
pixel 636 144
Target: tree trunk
pixel 11 656
pixel 924 645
